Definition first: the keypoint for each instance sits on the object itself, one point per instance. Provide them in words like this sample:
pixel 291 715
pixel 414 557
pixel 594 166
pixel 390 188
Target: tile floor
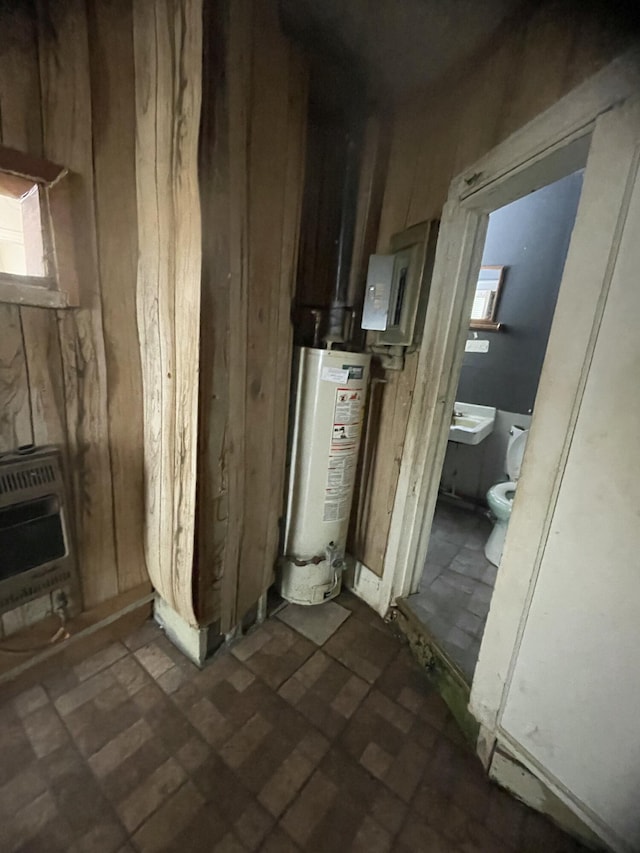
pixel 457 584
pixel 279 745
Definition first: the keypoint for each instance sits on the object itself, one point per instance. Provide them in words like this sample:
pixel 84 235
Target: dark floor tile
pixel 253 825
pixel 505 817
pixel 274 652
pixel 388 810
pixel 277 746
pixel 168 827
pixel 81 802
pixel 101 838
pixel 364 650
pixel 146 633
pixel 220 785
pixel 15 748
pixel 418 835
pixel 120 782
pixel 278 841
pixel 361 610
pixel 23 788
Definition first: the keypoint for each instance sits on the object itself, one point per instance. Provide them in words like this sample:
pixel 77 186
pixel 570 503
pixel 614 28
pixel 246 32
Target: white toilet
pixel 500 497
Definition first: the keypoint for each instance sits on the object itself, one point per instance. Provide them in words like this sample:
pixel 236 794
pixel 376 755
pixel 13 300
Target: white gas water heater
pixel 330 395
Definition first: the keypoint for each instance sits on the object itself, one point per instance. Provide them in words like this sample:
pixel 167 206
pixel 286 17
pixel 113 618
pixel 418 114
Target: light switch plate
pixel 476 346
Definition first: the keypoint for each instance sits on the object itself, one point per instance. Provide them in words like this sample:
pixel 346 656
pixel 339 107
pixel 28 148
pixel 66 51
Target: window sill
pixel 31 291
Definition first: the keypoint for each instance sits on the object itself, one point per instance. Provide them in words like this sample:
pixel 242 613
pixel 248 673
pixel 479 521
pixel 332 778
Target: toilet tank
pixel 515 451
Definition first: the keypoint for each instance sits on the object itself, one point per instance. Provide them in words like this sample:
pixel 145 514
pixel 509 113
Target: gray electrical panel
pixel 398 284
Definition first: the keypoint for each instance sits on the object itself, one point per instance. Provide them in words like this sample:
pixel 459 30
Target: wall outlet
pixel 477 346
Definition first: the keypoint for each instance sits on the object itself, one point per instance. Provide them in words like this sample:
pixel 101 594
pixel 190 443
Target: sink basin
pixel 471 424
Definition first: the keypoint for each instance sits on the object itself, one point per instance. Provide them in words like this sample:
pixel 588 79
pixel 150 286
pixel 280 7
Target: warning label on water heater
pixel 343 454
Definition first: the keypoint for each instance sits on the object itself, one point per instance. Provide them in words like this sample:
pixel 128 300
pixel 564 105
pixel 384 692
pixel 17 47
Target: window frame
pixel 59 288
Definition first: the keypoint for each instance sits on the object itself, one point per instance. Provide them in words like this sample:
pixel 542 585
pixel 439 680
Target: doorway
pixel 510 320
pixel 579 131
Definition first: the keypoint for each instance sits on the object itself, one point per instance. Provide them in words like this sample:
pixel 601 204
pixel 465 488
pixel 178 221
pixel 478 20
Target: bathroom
pixel 521 270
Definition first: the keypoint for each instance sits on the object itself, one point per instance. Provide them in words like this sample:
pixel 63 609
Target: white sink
pixel 471 424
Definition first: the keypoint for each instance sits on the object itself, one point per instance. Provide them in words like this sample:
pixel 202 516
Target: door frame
pixel 549 147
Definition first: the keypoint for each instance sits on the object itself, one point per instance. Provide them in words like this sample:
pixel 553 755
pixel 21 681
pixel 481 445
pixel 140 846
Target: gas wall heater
pixel 330 397
pixel 36 554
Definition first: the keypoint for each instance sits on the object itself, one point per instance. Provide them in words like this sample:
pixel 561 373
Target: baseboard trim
pixel 195 642
pixel 80 627
pixel 508 770
pixel 364 583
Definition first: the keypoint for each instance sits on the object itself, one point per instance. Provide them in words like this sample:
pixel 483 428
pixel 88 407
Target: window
pixel 37 257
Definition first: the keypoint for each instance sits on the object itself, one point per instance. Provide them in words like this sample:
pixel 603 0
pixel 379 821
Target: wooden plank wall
pixel 74 378
pixel 528 66
pixel 168 69
pixel 251 161
pixel 321 208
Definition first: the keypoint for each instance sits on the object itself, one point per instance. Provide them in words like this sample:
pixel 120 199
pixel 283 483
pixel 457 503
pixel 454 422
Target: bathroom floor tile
pixel 457 584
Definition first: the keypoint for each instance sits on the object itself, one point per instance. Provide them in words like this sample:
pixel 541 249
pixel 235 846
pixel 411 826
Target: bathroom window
pixel 37 256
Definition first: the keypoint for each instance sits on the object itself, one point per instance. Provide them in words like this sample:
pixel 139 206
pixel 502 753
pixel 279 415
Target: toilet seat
pixel 502 495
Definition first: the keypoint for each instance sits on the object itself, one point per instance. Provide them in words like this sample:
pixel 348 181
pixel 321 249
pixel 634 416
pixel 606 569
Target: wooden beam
pixel 168 57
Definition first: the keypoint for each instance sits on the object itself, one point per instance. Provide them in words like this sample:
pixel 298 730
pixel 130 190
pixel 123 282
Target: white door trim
pixel 550 146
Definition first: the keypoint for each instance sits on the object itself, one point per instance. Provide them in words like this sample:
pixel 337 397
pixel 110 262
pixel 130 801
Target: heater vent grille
pixel 27 478
pixel 36 551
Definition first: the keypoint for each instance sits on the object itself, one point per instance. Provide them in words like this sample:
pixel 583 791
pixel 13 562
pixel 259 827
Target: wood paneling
pixel 15 412
pixel 66 115
pixel 252 152
pixel 73 378
pixel 113 117
pixel 168 54
pixel 436 135
pixel 20 128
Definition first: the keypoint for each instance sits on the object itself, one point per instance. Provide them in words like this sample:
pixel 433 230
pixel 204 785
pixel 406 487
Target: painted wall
pixel 531 238
pixel 438 133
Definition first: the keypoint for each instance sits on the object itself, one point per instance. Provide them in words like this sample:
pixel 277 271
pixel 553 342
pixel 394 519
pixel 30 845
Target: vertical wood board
pixel 267 171
pixel 167 50
pixel 113 121
pixel 66 116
